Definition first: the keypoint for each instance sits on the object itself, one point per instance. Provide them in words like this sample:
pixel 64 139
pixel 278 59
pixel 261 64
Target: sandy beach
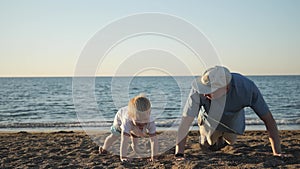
pixel 68 149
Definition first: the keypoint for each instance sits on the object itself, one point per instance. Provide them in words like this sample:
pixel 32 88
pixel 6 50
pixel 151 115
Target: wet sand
pixel 79 150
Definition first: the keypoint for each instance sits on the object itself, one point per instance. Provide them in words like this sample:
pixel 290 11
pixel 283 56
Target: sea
pixel 83 103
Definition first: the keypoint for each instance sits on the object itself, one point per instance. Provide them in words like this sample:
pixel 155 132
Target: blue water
pixel 65 103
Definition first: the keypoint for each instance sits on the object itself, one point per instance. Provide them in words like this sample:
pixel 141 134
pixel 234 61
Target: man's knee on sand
pixel 215 137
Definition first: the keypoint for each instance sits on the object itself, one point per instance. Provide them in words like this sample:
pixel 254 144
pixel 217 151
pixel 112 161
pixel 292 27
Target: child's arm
pixel 124 146
pixel 154 146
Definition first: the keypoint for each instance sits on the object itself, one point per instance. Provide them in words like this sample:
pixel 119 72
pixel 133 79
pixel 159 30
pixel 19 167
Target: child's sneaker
pixel 102 151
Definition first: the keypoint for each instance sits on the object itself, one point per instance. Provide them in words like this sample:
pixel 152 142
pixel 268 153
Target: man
pixel 218 98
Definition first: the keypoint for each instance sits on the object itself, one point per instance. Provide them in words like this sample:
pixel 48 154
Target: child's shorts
pixel 115 131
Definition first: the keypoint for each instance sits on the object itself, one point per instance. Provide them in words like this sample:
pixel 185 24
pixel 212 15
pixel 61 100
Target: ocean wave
pixel 56 124
pixel 278 121
pixel 160 123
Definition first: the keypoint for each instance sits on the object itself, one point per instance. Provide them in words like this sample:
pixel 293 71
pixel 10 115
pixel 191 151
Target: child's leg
pixel 115 134
pixel 134 144
pixel 109 141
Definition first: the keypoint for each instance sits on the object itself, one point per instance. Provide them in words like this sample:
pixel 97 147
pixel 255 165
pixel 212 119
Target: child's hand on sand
pixel 125 160
pixel 179 157
pixel 153 159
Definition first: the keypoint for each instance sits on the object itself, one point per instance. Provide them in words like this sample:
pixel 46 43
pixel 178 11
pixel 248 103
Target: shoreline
pixel 77 149
pixel 107 129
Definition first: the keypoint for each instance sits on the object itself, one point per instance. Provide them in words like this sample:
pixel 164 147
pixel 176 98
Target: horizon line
pixel 68 76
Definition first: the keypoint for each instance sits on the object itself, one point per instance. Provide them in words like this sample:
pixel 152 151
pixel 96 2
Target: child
pixel 133 121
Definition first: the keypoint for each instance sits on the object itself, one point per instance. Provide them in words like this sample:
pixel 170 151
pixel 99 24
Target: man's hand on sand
pixel 281 155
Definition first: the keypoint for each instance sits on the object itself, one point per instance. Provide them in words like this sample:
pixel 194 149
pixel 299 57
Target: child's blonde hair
pixel 139 108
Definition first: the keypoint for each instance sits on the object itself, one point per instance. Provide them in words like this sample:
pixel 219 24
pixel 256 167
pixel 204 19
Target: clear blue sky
pixel 45 38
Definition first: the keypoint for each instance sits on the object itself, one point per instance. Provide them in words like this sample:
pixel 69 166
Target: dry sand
pixel 78 150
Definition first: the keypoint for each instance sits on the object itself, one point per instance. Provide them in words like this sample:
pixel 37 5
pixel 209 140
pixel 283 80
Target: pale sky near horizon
pixel 46 38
